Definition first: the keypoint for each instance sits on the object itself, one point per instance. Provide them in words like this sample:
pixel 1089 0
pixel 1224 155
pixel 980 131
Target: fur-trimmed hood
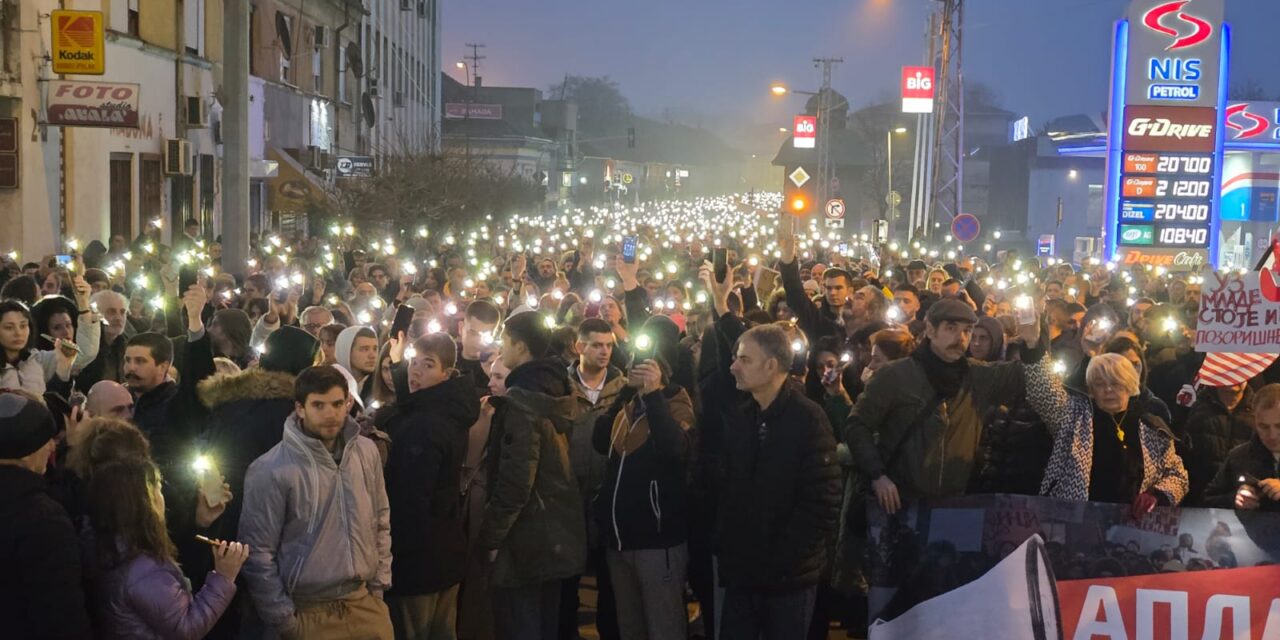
pixel 250 384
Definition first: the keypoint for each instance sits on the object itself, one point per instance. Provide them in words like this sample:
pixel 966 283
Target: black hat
pixel 289 350
pixel 917 265
pixel 25 426
pixel 950 310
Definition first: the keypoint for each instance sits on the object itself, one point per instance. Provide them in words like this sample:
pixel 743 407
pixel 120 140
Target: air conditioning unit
pixel 315 158
pixel 177 157
pixel 197 112
pixel 321 35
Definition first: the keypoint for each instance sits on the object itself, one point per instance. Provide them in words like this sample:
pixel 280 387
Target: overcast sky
pixel 1045 58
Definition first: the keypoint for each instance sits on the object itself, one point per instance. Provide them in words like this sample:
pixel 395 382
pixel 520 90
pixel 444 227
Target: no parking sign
pixel 965 227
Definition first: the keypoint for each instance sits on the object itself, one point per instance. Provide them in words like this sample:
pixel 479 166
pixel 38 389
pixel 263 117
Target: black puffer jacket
pixel 1250 460
pixel 1213 432
pixel 780 490
pixel 1015 451
pixel 424 473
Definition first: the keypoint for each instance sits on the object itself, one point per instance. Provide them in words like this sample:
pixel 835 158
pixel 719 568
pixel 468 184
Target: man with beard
pixel 916 430
pixel 116 332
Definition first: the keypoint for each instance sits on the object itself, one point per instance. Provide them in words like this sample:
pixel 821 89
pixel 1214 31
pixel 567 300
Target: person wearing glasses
pixel 1108 446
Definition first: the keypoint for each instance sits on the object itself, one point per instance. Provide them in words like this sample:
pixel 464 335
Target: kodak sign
pixel 77 42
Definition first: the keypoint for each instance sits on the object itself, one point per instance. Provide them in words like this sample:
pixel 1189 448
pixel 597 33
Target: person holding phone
pixel 143 593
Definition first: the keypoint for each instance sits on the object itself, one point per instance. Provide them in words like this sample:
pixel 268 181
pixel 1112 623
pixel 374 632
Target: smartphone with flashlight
pixel 64 259
pixel 720 261
pixel 210 480
pixel 402 321
pixel 1026 310
pixel 629 249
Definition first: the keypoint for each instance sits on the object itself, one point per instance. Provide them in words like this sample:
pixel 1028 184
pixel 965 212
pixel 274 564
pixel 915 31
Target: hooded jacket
pixel 342 352
pixel 318 529
pixel 41 595
pixel 535 517
pixel 644 499
pixel 247 412
pixel 428 432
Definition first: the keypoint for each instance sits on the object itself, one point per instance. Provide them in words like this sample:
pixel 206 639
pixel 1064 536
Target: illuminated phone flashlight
pixel 753 261
pixel 672 267
pixel 701 297
pixel 643 342
pixel 451 309
pixel 595 296
pixel 1171 325
pixel 486 338
pixel 202 464
pixel 335 230
pixel 13 255
pixel 411 353
pixel 610 284
pixel 351 230
pixel 261 349
pixel 297 278
pixel 434 326
pixel 149 247
pixel 409 269
pixel 377 303
pixel 157 223
pixel 422 232
pixel 253 264
pixel 333 299
pixel 1023 302
pixel 797 346
pixel 531 302
pixel 449 239
pixel 549 322
pixel 1103 324
pixel 157 302
pixel 1059 367
pixel 364 318
pixel 557 294
pixel 1071 291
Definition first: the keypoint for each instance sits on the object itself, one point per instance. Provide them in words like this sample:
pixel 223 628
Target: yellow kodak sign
pixel 77 42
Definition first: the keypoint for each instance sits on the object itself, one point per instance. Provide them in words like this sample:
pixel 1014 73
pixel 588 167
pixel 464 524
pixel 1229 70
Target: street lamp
pixel 888 143
pixel 782 129
pixel 465 68
pixel 779 89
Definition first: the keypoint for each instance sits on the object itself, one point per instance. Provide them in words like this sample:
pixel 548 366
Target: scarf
pixel 944 377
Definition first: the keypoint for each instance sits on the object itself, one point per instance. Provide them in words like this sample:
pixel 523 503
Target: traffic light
pixel 631 137
pixel 798 197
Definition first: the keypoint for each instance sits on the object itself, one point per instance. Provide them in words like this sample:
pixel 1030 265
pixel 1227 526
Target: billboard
pixel 804 132
pixel 917 89
pixel 80 103
pixel 1164 151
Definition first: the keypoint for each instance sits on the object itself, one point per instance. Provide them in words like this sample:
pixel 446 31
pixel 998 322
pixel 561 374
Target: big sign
pixel 1164 156
pixel 917 89
pixel 805 132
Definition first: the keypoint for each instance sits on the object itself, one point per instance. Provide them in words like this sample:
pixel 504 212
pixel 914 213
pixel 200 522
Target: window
pixel 133 18
pixel 120 180
pixel 342 76
pixel 285 63
pixel 193 21
pixel 317 78
pixel 422 8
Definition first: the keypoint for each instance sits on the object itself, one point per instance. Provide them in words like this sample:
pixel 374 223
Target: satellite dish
pixel 282 34
pixel 354 62
pixel 366 109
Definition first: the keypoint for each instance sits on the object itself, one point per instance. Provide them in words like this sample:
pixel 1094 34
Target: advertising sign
pixel 77 42
pixel 354 166
pixel 804 132
pixel 917 89
pixel 1164 155
pixel 8 153
pixel 1253 121
pixel 461 110
pixel 80 103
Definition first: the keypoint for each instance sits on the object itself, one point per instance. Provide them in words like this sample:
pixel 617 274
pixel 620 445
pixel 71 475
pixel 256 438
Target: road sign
pixel 965 227
pixel 627 178
pixel 917 89
pixel 835 209
pixel 835 224
pixel 77 42
pixel 799 177
pixel 354 166
pixel 893 199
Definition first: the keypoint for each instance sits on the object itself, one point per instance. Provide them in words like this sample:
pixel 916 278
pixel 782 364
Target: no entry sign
pixel 965 227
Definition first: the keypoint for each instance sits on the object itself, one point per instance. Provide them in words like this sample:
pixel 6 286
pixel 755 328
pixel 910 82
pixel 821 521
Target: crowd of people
pixel 440 435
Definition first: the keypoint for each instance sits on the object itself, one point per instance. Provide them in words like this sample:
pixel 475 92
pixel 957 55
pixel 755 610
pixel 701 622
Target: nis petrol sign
pixel 917 89
pixel 77 42
pixel 1253 121
pixel 1174 51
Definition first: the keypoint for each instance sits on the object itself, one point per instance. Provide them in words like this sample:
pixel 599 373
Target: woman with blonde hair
pixel 1106 446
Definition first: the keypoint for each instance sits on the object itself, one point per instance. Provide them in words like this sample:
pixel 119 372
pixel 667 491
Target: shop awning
pixel 292 189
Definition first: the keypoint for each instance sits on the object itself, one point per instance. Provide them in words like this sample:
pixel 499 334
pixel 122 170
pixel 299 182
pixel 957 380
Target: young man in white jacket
pixel 317 518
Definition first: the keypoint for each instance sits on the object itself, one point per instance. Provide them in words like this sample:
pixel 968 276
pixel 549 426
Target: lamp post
pixel 466 115
pixel 889 199
pixel 825 108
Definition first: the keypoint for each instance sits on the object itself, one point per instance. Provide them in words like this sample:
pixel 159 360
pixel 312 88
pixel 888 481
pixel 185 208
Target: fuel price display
pixel 1166 199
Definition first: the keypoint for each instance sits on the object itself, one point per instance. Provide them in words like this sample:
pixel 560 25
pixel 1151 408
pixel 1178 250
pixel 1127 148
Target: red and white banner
pixel 80 103
pixel 805 132
pixel 917 89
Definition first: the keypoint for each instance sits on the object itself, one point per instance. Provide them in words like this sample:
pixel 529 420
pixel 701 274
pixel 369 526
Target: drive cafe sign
pixel 79 103
pixel 1165 155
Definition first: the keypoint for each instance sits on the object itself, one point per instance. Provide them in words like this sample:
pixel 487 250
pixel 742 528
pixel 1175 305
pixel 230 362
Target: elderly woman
pixel 1106 448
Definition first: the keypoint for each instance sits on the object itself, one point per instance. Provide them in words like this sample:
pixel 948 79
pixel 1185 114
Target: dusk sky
pixel 1045 58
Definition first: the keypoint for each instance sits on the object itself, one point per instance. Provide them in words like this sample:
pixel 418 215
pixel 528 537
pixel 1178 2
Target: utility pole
pixel 948 153
pixel 825 170
pixel 235 135
pixel 475 59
